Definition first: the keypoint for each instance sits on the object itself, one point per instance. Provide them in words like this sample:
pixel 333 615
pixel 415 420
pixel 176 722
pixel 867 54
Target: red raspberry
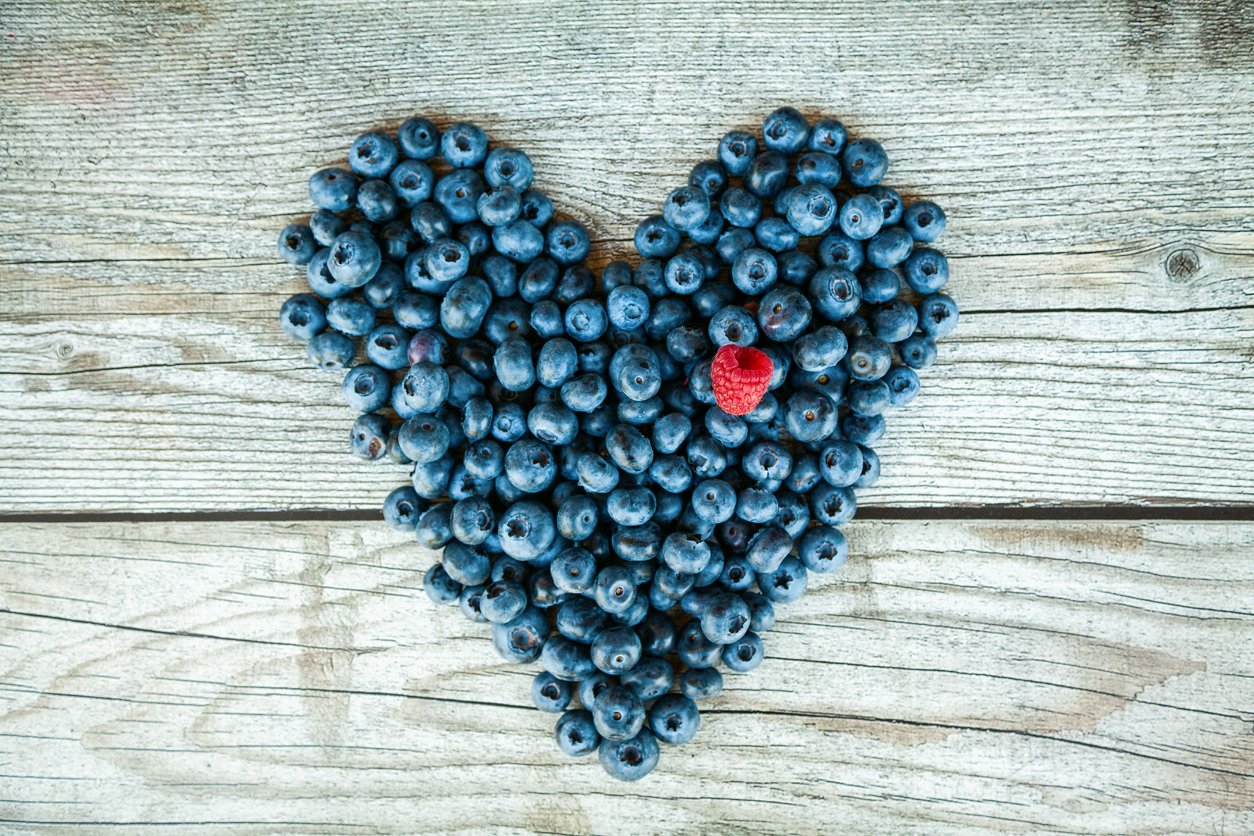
pixel 741 376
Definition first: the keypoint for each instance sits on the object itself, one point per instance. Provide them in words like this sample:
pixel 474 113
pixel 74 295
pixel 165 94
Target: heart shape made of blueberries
pixel 624 475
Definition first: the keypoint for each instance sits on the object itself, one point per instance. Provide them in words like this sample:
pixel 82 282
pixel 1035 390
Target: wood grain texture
pixel 1081 677
pixel 1094 158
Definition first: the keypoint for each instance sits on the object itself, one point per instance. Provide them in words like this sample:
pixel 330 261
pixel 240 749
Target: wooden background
pixel 1048 620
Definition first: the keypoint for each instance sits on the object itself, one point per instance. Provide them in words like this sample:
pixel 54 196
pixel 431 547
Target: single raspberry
pixel 740 375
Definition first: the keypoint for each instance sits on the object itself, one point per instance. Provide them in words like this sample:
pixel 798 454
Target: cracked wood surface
pixel 1075 676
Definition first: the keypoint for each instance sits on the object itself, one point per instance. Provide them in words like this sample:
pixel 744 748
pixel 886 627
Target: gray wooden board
pixel 1075 676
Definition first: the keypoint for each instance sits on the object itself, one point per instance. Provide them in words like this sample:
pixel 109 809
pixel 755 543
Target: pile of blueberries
pixel 593 503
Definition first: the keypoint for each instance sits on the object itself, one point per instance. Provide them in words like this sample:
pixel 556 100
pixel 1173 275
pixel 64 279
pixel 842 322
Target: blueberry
pixel 786 583
pixel 425 387
pixel 649 679
pixel 918 351
pixel 537 209
pixel 674 719
pixel 412 182
pixel 614 590
pixel 786 130
pixel 419 138
pixel 767 174
pixel 744 654
pixel 576 283
pixel 472 521
pixel 556 363
pixel 889 247
pixel 526 530
pixel 706 457
pixel 831 505
pixel 468 603
pixel 566 242
pixel 686 553
pixel 865 162
pixel 684 274
pixel 384 289
pixel 736 151
pixel 629 760
pixel 836 249
pixel 351 317
pixel 686 208
pixel 809 416
pixel 629 449
pixel 508 167
pixel 502 602
pixel 457 193
pixel 367 388
pixel 377 201
pixel 894 321
pixel 302 317
pixel 368 437
pixel 868 358
pixel 550 694
pixel 775 235
pixel 331 350
pixel 836 293
pixel 840 464
pixel 657 634
pixel 354 258
pixel 740 208
pixel 811 209
pixel 522 639
pixel 783 314
pixel 926 270
pixel 433 528
pixel 823 549
pixel 616 650
pixel 429 221
pixel 424 438
pixel 694 649
pixel 464 145
pixel 513 364
pixel 754 271
pixel 670 432
pixel 325 225
pixel 820 349
pixel 725 619
pixel 655 238
pixel 701 683
pixel 432 480
pixel 499 207
pixel 631 506
pixel 586 320
pixel 618 713
pixel 297 244
pixel 903 385
pixel 861 217
pixel 827 136
pixel 372 155
pixel 671 474
pixel 333 188
pixel 813 170
pixel 938 315
pixel 573 570
pixel 868 398
pixel 710 177
pixel 576 734
pixel 579 619
pixel 924 220
pixel 640 412
pixel 440 588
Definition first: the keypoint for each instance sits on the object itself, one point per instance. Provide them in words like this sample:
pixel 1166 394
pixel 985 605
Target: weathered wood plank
pixel 1081 677
pixel 1094 158
pixel 198 409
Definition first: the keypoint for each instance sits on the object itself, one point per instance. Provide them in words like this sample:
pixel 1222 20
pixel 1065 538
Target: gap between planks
pixel 1062 513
